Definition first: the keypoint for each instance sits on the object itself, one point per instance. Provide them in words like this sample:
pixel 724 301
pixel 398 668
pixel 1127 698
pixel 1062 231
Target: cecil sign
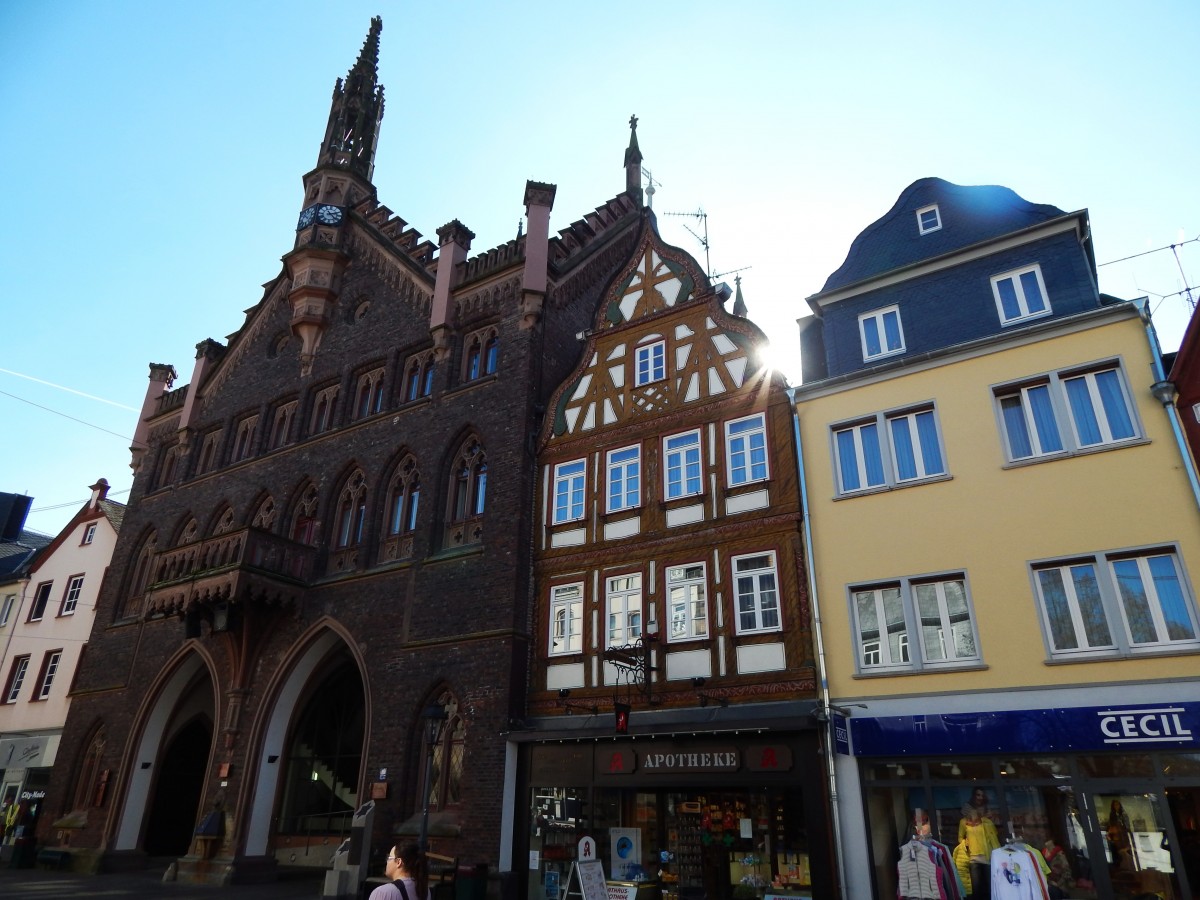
pixel 1144 726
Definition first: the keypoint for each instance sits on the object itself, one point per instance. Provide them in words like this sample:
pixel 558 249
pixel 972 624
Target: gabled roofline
pixel 1077 220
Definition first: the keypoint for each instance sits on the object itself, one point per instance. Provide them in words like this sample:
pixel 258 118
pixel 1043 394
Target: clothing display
pixel 926 871
pixel 1017 874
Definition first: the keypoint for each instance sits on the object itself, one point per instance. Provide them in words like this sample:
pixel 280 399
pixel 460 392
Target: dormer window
pixel 1020 294
pixel 929 219
pixel 881 333
pixel 650 363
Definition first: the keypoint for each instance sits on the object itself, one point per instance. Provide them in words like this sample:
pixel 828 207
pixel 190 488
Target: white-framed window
pixel 71 595
pixel 881 333
pixel 746 449
pixel 888 448
pixel 681 474
pixel 650 363
pixel 49 670
pixel 687 602
pixel 624 609
pixel 756 584
pixel 89 533
pixel 1020 294
pixel 624 468
pixel 570 479
pixel 1066 411
pixel 914 623
pixel 929 219
pixel 16 678
pixel 1116 603
pixel 41 597
pixel 566 619
pixel 6 611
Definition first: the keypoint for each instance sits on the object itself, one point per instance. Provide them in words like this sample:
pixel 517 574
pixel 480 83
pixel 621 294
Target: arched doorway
pixel 324 754
pixel 173 811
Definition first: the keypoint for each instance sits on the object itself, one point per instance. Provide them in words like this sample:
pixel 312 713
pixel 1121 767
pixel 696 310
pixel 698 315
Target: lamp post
pixel 434 717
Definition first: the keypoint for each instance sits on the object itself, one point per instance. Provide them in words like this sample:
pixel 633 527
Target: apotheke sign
pixel 669 760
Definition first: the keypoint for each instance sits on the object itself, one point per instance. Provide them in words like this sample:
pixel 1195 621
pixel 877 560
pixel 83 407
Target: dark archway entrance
pixel 324 755
pixel 182 768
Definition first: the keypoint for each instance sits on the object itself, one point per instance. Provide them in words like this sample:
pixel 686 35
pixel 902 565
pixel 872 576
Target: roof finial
pixel 633 163
pixel 739 305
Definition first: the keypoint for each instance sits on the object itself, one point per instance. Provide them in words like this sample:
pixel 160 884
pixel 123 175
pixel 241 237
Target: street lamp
pixel 435 718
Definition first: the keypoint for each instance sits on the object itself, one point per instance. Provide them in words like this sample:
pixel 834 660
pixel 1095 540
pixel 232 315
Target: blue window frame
pixel 569 480
pixel 1065 412
pixel 650 363
pixel 888 449
pixel 881 333
pixel 746 448
pixel 682 471
pixel 1020 294
pixel 624 478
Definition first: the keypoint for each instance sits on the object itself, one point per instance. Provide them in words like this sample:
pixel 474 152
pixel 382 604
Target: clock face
pixel 306 218
pixel 329 215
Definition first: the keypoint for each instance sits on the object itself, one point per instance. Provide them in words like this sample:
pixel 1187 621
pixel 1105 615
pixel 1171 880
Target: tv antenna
pixel 651 183
pixel 702 216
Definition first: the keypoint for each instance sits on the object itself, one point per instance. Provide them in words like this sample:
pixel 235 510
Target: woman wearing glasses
pixel 409 876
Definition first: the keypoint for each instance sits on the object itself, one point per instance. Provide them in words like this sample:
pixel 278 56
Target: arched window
pixel 282 425
pixel 480 356
pixel 244 444
pixel 449 754
pixel 264 516
pixel 491 354
pixel 474 352
pixel 142 567
pixel 352 510
pixel 418 377
pixel 403 501
pixel 304 517
pixel 91 785
pixel 468 495
pixel 369 399
pixel 322 417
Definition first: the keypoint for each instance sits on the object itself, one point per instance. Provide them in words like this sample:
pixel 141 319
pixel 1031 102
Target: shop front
pixel 1105 799
pixel 716 816
pixel 26 775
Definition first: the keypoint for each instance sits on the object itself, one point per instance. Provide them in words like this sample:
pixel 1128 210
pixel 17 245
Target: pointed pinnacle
pixel 633 153
pixel 739 305
pixel 368 57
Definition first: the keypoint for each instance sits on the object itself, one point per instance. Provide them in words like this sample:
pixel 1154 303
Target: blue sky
pixel 153 155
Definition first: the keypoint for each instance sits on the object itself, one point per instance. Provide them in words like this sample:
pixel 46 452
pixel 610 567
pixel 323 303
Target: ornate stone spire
pixel 633 163
pixel 356 111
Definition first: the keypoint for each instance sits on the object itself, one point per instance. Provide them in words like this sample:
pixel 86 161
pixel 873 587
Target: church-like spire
pixel 739 305
pixel 633 163
pixel 356 111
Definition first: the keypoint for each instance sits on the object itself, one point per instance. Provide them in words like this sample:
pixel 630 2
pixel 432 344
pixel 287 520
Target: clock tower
pixel 341 179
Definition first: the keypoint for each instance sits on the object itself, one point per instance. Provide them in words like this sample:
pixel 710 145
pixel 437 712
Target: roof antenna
pixel 703 217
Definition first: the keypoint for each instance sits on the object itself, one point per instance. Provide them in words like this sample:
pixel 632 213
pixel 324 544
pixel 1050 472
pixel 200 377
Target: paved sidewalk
pixel 35 884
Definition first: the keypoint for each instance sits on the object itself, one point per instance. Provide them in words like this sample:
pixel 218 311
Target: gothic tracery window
pixel 468 495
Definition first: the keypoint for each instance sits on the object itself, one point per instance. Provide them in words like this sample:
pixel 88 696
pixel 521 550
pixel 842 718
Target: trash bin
pixel 470 882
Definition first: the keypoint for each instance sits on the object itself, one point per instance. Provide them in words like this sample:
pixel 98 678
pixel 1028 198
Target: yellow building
pixel 1004 529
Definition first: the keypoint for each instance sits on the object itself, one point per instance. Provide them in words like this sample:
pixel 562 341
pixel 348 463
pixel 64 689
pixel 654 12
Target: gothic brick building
pixel 329 534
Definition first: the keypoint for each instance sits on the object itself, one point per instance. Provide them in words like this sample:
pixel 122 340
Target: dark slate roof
pixel 969 215
pixel 16 554
pixel 114 512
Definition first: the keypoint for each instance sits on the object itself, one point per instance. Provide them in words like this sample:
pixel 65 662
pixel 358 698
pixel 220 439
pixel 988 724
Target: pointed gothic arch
pixel 326 649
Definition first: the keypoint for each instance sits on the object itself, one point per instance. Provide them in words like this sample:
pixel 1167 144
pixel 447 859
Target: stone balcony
pixel 244 566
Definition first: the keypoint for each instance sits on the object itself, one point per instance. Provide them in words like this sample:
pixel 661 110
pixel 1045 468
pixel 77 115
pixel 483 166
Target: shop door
pixel 1139 856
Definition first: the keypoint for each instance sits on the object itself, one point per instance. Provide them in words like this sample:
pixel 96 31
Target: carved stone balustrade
pixel 244 566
